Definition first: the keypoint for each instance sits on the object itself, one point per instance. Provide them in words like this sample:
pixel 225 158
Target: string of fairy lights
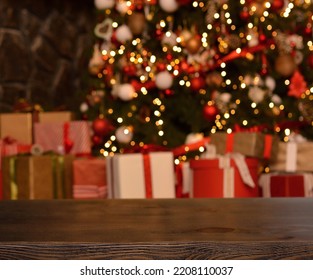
pixel 160 68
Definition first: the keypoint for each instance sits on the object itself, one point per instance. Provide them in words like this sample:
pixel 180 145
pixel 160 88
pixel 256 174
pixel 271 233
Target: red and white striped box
pixel 89 178
pixel 68 137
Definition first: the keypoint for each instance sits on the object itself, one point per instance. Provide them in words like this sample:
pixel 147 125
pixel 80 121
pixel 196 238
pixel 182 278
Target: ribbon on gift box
pixel 229 172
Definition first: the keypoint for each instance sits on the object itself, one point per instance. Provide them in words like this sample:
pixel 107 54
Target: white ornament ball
pixel 83 107
pixel 193 138
pixel 163 80
pixel 256 94
pixel 122 7
pixel 125 92
pixel 225 97
pixel 270 83
pixel 169 6
pixel 276 99
pixel 169 38
pixel 123 33
pixel 124 134
pixel 104 4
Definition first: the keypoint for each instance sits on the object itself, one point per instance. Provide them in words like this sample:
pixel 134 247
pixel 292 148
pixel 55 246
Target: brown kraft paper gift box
pixel 251 144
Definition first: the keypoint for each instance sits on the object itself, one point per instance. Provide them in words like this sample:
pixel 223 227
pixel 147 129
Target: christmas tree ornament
pixel 125 92
pixel 297 86
pixel 104 30
pixel 104 4
pixel 285 65
pixel 124 134
pixel 184 36
pixel 96 63
pixel 197 83
pixel 193 138
pixel 194 44
pixel 96 140
pixel 163 80
pixel 170 39
pixel 214 79
pixel 130 70
pixel 210 111
pixel 256 94
pixel 270 83
pixel 168 6
pixel 276 99
pixel 137 23
pixel 101 126
pixel 277 5
pixel 123 34
pixel 122 7
pixel 257 8
pixel 83 107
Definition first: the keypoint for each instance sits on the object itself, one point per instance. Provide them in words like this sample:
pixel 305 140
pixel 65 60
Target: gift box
pixel 37 177
pixel 55 117
pixel 286 184
pixel 69 137
pixel 293 157
pixel 89 178
pixel 250 144
pixel 225 177
pixel 17 126
pixel 141 175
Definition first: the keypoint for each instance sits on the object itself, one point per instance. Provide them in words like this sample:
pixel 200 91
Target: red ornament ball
pixel 161 67
pixel 244 15
pixel 210 112
pixel 308 31
pixel 277 5
pixel 262 38
pixel 96 140
pixel 197 83
pixel 101 127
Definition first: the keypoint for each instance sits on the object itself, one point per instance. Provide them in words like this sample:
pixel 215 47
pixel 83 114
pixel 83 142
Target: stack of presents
pixel 50 158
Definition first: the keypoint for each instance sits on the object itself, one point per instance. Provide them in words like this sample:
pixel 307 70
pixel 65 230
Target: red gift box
pixel 287 185
pixel 210 180
pixel 89 178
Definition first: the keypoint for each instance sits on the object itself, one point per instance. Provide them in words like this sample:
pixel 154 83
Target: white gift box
pixel 129 175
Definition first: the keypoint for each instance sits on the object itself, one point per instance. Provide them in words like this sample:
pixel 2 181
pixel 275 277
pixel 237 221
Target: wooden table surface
pixel 275 228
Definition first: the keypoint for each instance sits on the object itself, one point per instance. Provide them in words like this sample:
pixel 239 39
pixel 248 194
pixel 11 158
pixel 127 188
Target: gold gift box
pixel 17 126
pixel 37 177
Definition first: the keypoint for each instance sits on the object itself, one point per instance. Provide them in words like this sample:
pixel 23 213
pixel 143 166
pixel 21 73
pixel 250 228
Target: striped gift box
pixel 51 136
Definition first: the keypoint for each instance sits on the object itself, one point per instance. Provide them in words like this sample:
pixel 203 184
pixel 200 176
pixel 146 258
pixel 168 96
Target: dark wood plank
pixel 157 229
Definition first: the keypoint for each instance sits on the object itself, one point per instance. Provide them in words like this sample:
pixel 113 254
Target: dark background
pixel 44 52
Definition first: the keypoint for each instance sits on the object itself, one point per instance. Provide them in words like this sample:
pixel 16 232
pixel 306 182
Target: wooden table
pixel 157 229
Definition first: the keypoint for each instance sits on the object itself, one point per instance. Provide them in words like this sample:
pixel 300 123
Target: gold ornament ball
pixel 285 65
pixel 193 45
pixel 136 23
pixel 214 79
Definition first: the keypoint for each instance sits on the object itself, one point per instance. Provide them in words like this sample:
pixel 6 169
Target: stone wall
pixel 44 51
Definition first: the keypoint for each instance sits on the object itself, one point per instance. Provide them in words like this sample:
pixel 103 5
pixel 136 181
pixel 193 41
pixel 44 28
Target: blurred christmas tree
pixel 168 72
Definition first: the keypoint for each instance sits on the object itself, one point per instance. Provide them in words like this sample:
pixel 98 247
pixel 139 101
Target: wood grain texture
pixel 259 228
